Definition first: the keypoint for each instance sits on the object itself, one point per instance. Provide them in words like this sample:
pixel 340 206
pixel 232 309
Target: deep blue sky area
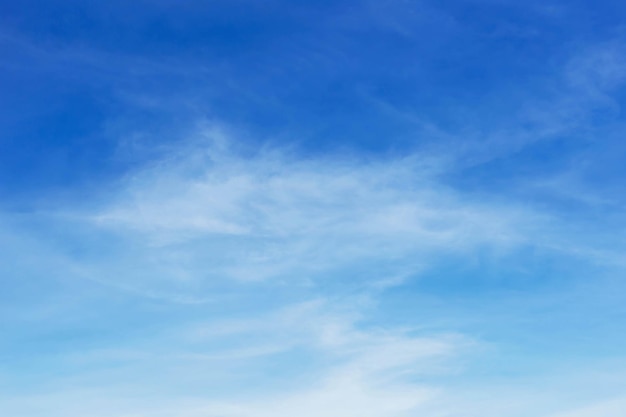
pixel 317 70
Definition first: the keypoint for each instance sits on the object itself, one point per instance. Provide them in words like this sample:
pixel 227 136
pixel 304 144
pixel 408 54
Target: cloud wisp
pixel 212 213
pixel 352 370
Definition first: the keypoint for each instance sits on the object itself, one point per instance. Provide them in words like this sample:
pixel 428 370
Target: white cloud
pixel 211 211
pixel 359 371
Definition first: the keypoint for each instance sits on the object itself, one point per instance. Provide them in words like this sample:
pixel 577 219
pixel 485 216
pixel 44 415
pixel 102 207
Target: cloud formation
pixel 268 215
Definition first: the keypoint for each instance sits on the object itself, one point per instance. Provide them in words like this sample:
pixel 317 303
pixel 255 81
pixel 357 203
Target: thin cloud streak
pixel 269 216
pixel 366 372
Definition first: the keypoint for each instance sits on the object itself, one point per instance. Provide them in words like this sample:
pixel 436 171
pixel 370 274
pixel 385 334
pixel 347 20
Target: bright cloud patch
pixel 268 216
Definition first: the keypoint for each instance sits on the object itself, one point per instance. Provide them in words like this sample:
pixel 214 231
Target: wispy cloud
pixel 354 370
pixel 224 214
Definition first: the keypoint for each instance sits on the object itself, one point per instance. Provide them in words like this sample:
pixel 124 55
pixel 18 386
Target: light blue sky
pixel 316 209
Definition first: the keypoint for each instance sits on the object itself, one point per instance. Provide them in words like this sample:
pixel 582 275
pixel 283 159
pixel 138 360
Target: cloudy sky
pixel 349 208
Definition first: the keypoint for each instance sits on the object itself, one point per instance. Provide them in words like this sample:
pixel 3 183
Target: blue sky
pixel 385 208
